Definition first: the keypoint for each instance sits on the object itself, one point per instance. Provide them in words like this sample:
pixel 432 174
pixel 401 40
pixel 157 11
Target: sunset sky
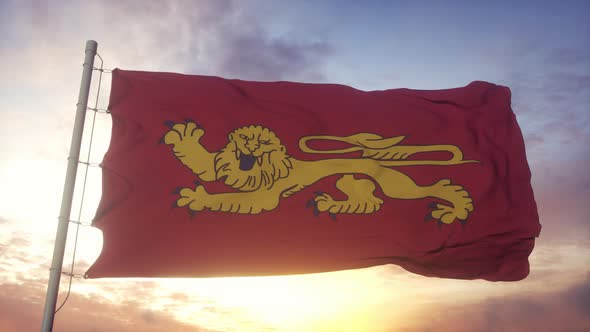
pixel 540 49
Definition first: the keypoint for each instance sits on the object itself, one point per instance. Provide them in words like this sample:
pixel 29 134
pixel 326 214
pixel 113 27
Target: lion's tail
pixel 386 150
pixel 394 156
pixel 360 142
pixel 449 162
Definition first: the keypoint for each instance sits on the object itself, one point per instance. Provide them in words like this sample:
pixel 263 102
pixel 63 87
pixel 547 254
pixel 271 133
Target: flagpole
pixel 68 192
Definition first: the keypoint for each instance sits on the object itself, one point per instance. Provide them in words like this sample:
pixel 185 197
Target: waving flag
pixel 210 177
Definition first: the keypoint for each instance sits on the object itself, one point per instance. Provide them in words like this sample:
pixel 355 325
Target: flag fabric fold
pixel 211 177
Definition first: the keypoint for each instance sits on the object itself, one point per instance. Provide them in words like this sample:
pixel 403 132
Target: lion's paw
pixel 196 199
pixel 183 132
pixel 325 203
pixel 462 204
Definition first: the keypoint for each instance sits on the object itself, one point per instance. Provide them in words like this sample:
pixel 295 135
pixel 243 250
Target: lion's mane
pixel 275 164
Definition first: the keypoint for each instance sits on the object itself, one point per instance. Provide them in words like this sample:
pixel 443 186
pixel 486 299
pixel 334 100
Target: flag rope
pixel 98 110
pixel 77 222
pixel 88 164
pixel 102 70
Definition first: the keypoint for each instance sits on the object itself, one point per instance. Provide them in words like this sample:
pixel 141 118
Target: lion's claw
pixel 184 136
pixel 314 205
pixel 316 211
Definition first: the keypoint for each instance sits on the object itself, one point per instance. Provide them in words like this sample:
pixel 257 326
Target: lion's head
pixel 254 158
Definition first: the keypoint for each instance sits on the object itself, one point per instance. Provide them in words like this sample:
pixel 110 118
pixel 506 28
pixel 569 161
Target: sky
pixel 540 49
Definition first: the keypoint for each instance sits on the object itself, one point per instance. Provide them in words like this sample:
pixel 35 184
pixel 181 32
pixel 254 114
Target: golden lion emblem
pixel 256 164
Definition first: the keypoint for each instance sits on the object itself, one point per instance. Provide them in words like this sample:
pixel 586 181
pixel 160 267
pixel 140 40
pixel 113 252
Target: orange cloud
pixel 21 308
pixel 567 310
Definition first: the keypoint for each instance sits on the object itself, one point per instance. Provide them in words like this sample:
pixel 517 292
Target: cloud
pixel 13 249
pixel 211 37
pixel 250 55
pixel 566 310
pixel 567 57
pixel 21 309
pixel 218 38
pixel 579 296
pixel 549 92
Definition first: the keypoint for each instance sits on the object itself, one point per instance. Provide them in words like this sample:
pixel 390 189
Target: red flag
pixel 209 177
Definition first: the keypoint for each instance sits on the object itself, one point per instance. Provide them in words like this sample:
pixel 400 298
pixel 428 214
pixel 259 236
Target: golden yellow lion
pixel 256 163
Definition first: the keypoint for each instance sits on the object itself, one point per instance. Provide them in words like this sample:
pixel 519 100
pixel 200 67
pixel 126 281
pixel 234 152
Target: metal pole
pixel 68 193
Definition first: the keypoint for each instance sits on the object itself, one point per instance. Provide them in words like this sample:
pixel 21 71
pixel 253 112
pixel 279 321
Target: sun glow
pixel 340 301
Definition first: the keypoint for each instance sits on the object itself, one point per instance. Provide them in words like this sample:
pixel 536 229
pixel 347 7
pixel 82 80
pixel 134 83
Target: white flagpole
pixel 68 192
